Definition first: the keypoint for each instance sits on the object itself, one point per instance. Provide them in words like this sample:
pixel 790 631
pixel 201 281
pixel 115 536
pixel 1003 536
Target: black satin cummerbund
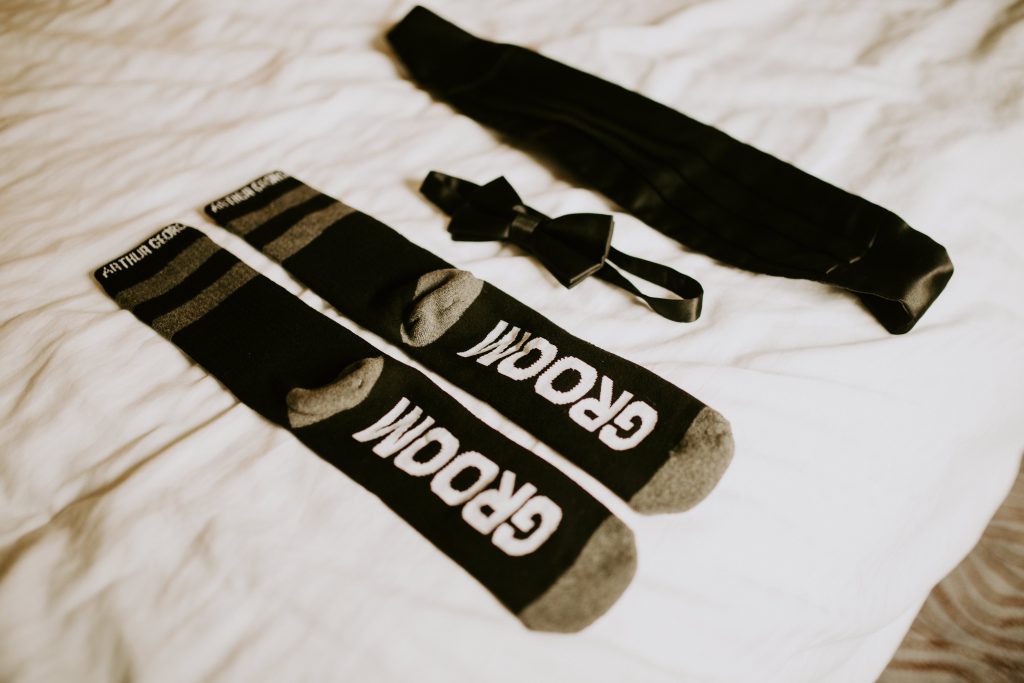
pixel 689 180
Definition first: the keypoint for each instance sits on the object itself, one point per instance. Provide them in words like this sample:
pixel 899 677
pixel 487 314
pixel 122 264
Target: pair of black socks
pixel 547 550
pixel 648 441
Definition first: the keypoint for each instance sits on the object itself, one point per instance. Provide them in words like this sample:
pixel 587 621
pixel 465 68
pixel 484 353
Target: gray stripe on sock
pixel 243 225
pixel 170 276
pixel 306 230
pixel 181 317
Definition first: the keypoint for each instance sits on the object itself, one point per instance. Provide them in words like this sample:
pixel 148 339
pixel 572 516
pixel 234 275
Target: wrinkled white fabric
pixel 153 529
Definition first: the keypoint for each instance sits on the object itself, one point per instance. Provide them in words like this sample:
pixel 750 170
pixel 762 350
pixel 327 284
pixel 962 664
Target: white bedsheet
pixel 154 529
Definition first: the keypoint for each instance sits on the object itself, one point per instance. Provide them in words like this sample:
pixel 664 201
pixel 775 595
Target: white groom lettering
pixel 623 422
pixel 443 483
pixel 395 429
pixel 494 348
pixel 492 507
pixel 546 352
pixel 591 413
pixel 637 414
pixel 540 516
pixel 545 385
pixel 447 444
pixel 463 479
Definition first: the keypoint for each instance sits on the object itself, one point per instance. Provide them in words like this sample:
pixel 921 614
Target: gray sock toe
pixel 590 585
pixel 440 299
pixel 309 406
pixel 693 468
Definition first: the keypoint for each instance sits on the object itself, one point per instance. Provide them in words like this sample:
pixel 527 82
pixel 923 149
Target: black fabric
pixel 203 277
pixel 572 247
pixel 270 231
pixel 261 342
pixel 689 180
pixel 369 273
pixel 274 189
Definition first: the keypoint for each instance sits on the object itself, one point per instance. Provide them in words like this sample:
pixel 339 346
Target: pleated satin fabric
pixel 689 180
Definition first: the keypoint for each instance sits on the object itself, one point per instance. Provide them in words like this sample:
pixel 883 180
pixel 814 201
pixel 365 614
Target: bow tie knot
pixel 571 247
pixel 520 230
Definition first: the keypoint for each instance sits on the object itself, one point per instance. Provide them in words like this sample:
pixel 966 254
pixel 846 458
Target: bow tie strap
pixel 571 247
pixel 447 192
pixel 684 309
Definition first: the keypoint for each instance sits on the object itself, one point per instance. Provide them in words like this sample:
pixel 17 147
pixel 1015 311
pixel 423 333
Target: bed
pixel 154 529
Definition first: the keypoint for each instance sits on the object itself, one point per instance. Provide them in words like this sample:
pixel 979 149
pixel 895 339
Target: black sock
pixel 645 439
pixel 548 551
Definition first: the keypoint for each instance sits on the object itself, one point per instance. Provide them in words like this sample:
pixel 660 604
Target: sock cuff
pixel 241 211
pixel 278 214
pixel 174 278
pixel 148 258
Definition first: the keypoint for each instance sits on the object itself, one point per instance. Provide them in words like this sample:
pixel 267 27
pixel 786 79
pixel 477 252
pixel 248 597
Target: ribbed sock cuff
pixel 145 260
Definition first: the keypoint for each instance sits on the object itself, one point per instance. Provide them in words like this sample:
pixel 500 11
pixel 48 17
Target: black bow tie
pixel 571 247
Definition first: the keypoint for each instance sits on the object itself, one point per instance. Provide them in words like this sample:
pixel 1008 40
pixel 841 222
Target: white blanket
pixel 153 529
